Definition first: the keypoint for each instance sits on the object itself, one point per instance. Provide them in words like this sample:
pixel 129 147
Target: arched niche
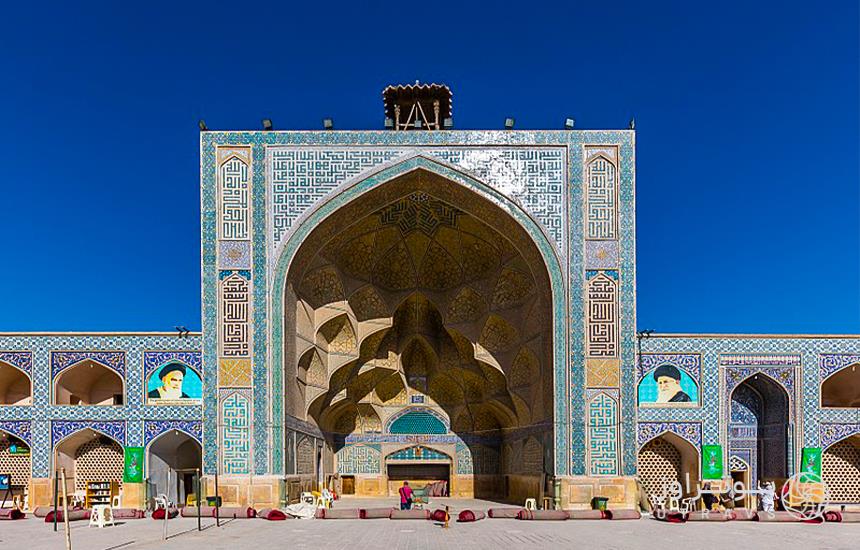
pixel 177 455
pixel 15 460
pixel 759 421
pixel 88 455
pixel 668 458
pixel 840 470
pixel 842 388
pixel 16 388
pixel 89 383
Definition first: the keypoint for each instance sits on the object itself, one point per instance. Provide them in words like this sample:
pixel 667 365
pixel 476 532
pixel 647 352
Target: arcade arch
pixel 88 383
pixel 840 470
pixel 666 459
pixel 759 423
pixel 15 386
pixel 88 455
pixel 178 454
pixel 842 388
pixel 422 292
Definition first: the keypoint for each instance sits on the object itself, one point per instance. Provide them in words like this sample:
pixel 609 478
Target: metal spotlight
pixel 202 125
pixel 328 124
pixel 632 123
pixel 267 124
pixel 448 123
pixel 509 123
pixel 569 123
pixel 389 123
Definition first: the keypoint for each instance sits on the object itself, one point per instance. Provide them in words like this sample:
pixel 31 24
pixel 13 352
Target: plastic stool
pixel 101 515
pixel 531 504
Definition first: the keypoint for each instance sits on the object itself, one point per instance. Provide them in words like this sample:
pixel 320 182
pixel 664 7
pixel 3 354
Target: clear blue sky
pixel 747 129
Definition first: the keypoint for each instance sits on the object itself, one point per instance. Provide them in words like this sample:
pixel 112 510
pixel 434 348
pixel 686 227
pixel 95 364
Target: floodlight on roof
pixel 267 124
pixel 202 125
pixel 569 123
pixel 328 123
pixel 509 123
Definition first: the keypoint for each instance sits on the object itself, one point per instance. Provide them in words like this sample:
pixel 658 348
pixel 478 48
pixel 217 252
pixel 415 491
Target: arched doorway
pixel 759 427
pixel 842 388
pixel 15 386
pixel 88 383
pixel 89 457
pixel 15 460
pixel 666 460
pixel 840 470
pixel 177 455
pixel 422 292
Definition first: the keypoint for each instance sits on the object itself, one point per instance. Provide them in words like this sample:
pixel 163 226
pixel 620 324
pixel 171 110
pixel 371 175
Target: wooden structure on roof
pixel 417 106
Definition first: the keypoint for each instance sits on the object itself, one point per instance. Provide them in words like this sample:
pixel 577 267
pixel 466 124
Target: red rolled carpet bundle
pixel 11 513
pixel 271 514
pixel 410 514
pixel 338 513
pixel 375 513
pixel 589 514
pixel 543 515
pixel 468 516
pixel 159 514
pixel 438 515
pixel 508 513
pixel 671 517
pixel 624 513
pixel 74 515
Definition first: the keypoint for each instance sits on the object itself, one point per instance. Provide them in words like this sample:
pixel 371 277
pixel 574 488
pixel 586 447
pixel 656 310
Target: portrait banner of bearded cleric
pixel 174 382
pixel 668 386
pixel 668 379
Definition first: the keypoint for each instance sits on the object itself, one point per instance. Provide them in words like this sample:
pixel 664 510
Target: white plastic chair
pixel 79 499
pixel 161 501
pixel 116 501
pixel 309 498
pixel 101 515
pixel 531 504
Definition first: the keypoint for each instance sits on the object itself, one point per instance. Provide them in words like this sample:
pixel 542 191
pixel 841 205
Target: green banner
pixel 810 463
pixel 712 462
pixel 133 471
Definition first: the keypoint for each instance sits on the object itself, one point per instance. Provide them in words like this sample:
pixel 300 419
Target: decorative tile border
pixel 830 363
pixel 20 359
pixel 833 433
pixel 152 429
pixel 61 429
pixel 689 431
pixel 690 362
pixel 153 360
pixel 61 360
pixel 18 428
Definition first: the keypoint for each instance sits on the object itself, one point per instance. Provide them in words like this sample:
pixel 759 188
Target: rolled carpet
pixel 127 513
pixel 159 514
pixel 744 514
pixel 375 513
pixel 438 515
pixel 205 512
pixel 778 517
pixel 833 517
pixel 410 514
pixel 850 517
pixel 588 514
pixel 338 513
pixel 271 514
pixel 507 513
pixel 74 515
pixel 468 516
pixel 543 515
pixel 42 511
pixel 670 517
pixel 11 513
pixel 235 512
pixel 708 515
pixel 624 513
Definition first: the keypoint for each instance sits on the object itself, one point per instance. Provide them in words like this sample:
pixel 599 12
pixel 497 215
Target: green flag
pixel 133 471
pixel 712 462
pixel 810 463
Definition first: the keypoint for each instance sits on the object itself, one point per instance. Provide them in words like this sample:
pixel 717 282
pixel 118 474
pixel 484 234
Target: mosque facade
pixel 427 304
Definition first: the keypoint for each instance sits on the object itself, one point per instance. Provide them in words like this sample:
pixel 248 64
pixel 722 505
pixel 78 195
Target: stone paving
pixel 255 534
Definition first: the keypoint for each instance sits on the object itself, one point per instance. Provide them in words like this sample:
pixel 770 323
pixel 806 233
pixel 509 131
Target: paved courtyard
pixel 255 534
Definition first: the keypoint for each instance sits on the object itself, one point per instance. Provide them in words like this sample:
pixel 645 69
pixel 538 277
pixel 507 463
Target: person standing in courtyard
pixel 405 496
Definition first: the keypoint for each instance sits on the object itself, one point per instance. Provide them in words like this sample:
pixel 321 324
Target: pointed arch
pixel 841 388
pixel 16 385
pixel 88 382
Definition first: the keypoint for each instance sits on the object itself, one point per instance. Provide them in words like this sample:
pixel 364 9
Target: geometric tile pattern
pixel 235 431
pixel 602 199
pixel 602 296
pixel 603 435
pixel 417 452
pixel 235 220
pixel 34 423
pixel 234 255
pixel 60 429
pixel 793 362
pixel 359 459
pixel 234 373
pixel 601 254
pixel 535 176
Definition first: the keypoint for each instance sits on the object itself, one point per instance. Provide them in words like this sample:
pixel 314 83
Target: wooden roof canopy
pixel 417 106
